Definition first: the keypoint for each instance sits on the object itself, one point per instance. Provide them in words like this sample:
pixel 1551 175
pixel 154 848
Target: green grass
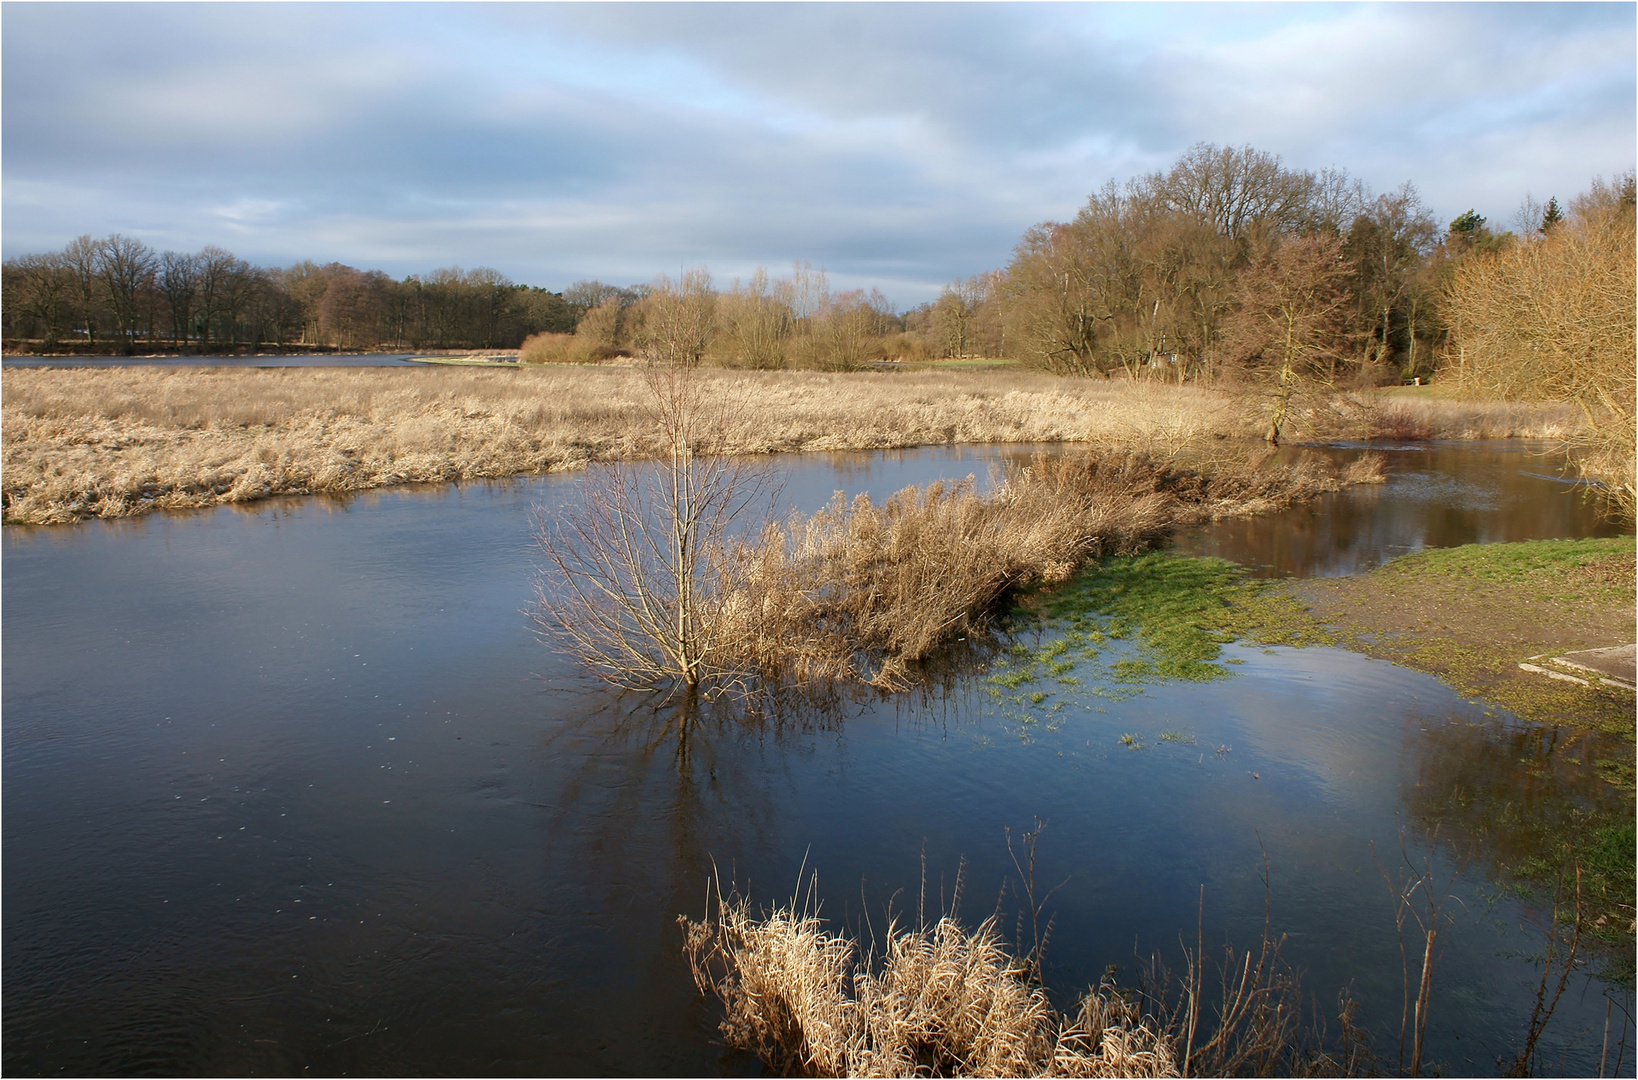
pixel 1517 563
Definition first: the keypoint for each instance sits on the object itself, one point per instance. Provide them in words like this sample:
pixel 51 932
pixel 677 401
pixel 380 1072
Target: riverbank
pixel 1469 615
pixel 119 442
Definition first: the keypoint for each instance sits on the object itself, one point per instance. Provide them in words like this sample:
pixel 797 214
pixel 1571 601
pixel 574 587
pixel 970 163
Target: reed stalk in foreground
pixel 942 1000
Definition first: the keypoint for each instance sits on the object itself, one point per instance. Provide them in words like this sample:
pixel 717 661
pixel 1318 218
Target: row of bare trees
pixel 1184 274
pixel 1189 271
pixel 1228 262
pixel 761 323
pixel 118 294
pixel 1168 272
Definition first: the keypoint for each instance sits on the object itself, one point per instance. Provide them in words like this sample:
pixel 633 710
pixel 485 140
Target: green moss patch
pixel 1127 622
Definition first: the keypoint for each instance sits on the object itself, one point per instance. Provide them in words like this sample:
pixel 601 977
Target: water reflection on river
pixel 1436 495
pixel 295 787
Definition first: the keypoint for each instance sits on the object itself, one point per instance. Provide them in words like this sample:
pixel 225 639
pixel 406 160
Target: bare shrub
pixel 1553 321
pixel 599 332
pixel 905 347
pixel 677 321
pixel 636 581
pixel 757 322
pixel 546 349
pixel 1289 320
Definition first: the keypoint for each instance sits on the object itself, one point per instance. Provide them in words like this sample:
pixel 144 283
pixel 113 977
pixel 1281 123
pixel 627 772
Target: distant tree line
pixel 116 294
pixel 1227 264
pixel 761 323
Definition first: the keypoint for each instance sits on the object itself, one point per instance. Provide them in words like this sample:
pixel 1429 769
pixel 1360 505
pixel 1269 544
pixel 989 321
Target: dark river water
pixel 295 787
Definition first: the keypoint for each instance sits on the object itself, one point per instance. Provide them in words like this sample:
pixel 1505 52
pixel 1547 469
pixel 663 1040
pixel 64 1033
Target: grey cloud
pixel 908 143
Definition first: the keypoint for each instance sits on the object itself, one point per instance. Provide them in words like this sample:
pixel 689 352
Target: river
pixel 295 786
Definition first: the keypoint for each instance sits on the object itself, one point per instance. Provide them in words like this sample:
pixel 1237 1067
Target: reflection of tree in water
pixel 1436 496
pixel 653 795
pixel 642 802
pixel 1531 803
pixel 697 756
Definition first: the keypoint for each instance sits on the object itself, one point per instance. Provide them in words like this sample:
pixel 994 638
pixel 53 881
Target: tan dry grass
pixel 114 442
pixel 1394 415
pixel 121 441
pixel 943 1001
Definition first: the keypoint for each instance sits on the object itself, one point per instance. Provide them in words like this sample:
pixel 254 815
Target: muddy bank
pixel 1469 615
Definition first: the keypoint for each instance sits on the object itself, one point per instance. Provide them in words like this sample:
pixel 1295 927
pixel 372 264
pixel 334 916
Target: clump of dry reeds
pixel 863 590
pixel 941 1001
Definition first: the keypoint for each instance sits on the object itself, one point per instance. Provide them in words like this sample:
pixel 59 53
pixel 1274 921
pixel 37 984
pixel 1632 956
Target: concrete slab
pixel 1616 662
pixel 1614 666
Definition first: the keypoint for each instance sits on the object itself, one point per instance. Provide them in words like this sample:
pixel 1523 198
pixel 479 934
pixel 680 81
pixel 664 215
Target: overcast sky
pixel 899 146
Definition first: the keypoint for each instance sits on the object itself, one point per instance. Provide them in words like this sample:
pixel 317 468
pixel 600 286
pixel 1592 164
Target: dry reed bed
pixel 122 441
pixel 862 591
pixel 1404 417
pixel 945 1001
pixel 942 1002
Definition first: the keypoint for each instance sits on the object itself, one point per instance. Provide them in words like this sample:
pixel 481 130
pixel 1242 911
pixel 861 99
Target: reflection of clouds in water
pixel 811 480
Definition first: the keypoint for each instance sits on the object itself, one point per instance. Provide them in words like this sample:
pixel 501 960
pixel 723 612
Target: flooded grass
pixel 1470 614
pixel 1126 622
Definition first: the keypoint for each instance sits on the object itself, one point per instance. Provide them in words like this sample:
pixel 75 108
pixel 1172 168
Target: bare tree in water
pixel 637 575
